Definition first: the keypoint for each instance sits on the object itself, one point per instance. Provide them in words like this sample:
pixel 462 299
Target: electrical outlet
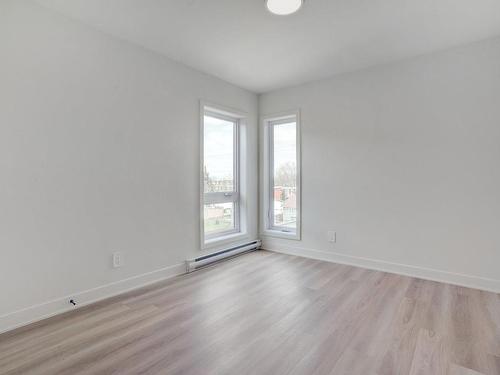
pixel 117 259
pixel 332 236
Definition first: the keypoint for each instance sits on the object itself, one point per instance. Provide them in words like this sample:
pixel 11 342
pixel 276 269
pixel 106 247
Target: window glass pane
pixel 219 217
pixel 219 154
pixel 285 175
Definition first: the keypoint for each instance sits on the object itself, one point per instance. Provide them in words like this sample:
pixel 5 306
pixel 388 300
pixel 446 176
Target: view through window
pixel 220 175
pixel 283 167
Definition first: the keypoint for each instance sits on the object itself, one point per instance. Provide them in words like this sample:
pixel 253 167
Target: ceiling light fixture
pixel 284 7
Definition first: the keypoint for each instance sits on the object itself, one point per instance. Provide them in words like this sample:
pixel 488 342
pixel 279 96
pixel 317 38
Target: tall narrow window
pixel 283 177
pixel 221 206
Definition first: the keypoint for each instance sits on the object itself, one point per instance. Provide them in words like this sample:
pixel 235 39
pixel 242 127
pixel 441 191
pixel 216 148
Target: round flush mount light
pixel 284 7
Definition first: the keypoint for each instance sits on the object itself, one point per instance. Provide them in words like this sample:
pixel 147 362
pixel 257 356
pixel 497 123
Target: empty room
pixel 250 187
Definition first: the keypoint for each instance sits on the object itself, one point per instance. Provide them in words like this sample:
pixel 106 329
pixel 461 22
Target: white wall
pixel 403 161
pixel 99 152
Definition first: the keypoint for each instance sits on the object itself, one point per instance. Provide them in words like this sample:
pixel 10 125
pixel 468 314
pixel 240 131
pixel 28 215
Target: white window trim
pixel 239 232
pixel 267 229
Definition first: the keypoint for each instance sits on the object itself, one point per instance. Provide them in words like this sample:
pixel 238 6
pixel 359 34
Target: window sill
pixel 223 240
pixel 280 234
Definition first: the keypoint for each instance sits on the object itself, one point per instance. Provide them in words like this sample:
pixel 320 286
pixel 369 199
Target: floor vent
pixel 194 264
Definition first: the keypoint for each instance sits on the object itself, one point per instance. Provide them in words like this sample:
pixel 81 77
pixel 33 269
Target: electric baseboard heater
pixel 194 264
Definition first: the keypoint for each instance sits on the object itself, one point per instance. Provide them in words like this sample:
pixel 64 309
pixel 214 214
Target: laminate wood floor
pixel 267 313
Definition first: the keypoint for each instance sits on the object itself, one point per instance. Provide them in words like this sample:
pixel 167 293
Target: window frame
pixel 216 238
pixel 268 228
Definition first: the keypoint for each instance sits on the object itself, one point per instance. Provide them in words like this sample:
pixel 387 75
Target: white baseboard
pixel 45 310
pixel 468 281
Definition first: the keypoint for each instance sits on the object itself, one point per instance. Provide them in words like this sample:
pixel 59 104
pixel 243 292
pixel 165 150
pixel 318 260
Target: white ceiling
pixel 241 42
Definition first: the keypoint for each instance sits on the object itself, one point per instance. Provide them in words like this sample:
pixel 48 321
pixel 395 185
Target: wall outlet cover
pixel 332 236
pixel 117 259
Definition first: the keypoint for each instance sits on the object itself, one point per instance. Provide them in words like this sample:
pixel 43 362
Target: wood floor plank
pixel 459 370
pixel 430 356
pixel 269 313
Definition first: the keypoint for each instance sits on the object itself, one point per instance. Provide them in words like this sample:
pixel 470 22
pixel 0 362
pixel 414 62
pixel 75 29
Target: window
pixel 220 175
pixel 282 176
